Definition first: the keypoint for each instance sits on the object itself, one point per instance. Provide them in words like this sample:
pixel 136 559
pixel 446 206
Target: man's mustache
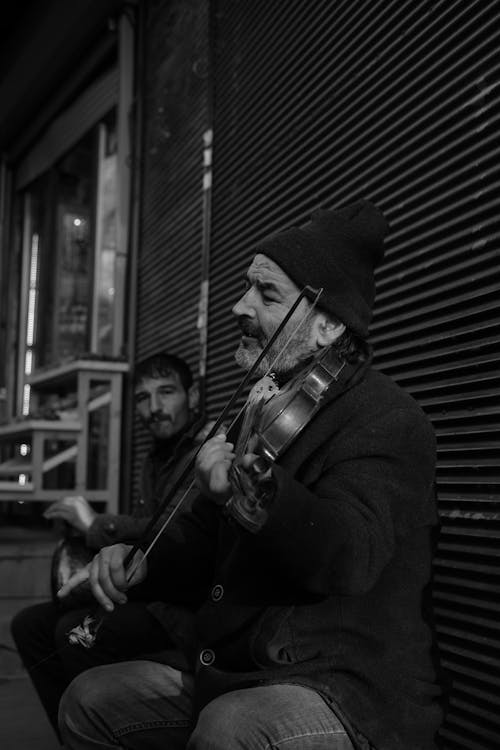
pixel 155 418
pixel 250 329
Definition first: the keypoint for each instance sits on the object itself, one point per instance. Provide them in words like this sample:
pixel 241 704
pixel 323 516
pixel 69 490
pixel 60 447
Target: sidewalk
pixel 25 556
pixel 23 724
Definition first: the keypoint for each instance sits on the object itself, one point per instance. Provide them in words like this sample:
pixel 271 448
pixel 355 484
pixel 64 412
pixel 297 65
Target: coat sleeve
pixel 337 535
pixel 108 528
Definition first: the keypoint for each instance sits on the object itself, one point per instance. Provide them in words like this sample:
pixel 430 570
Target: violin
pixel 276 417
pixel 285 415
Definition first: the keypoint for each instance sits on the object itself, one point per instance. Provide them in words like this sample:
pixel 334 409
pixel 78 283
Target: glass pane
pixel 60 227
pixel 73 238
pixel 106 237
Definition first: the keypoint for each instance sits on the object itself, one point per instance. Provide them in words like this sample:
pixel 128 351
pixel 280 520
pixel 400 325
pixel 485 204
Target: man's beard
pixel 162 428
pixel 283 356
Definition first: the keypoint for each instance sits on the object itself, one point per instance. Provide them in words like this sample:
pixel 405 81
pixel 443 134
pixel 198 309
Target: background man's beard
pixel 298 349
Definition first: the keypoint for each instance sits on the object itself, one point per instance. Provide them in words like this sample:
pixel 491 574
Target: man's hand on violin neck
pixel 212 469
pixel 107 575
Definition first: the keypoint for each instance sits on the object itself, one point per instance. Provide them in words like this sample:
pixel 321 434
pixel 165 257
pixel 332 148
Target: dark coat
pixel 332 592
pixel 156 476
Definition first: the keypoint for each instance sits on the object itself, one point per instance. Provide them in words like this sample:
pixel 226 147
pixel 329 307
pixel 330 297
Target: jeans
pixel 149 706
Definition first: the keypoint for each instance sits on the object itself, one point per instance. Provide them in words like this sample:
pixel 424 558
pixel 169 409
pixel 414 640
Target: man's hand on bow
pixel 107 576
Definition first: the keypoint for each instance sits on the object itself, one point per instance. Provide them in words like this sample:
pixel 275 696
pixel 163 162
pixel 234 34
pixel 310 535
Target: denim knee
pixel 223 724
pixel 79 699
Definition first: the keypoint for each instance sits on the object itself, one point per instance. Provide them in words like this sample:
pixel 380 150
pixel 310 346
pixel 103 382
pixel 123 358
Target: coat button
pixel 207 657
pixel 217 592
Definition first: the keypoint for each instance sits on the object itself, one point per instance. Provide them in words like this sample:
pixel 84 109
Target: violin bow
pixel 187 467
pixel 82 633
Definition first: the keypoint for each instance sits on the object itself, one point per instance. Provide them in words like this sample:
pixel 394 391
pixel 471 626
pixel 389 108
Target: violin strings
pixel 294 332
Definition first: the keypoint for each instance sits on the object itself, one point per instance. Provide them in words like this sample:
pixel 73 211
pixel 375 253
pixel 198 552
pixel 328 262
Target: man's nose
pixel 244 307
pixel 154 404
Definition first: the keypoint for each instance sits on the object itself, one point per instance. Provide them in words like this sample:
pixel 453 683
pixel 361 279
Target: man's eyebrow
pixel 264 286
pixel 267 286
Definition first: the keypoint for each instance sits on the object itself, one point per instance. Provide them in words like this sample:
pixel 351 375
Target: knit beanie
pixel 337 250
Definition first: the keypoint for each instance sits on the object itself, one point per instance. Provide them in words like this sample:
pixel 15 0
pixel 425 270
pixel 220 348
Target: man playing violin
pixel 312 538
pixel 166 402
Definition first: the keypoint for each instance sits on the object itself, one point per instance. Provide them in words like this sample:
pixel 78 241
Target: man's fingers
pixel 137 569
pixel 108 578
pixel 116 572
pixel 75 580
pixel 219 477
pixel 57 513
pixel 248 460
pixel 96 572
pixel 54 508
pixel 217 449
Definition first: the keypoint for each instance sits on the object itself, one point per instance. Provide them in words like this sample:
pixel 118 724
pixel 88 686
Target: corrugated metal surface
pixel 398 102
pixel 175 119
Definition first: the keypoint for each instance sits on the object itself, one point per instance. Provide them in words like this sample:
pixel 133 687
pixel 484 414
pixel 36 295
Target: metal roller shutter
pixel 170 254
pixel 320 104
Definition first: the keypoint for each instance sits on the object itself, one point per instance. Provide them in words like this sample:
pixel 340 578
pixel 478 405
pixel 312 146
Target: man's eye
pixel 140 397
pixel 267 298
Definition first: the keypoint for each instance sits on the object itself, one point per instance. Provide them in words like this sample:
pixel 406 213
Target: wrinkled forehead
pixel 150 384
pixel 265 271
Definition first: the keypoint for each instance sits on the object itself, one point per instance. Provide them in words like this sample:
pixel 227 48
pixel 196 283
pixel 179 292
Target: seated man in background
pixel 166 402
pixel 313 541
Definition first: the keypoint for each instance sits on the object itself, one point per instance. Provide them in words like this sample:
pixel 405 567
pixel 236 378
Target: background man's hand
pixel 73 509
pixel 212 466
pixel 107 576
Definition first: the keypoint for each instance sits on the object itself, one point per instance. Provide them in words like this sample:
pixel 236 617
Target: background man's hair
pixel 162 365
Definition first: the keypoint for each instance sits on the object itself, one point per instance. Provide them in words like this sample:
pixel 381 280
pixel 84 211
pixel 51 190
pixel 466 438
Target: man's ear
pixel 327 330
pixel 194 396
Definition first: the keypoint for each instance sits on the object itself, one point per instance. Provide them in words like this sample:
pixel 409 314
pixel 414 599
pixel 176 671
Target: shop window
pixel 71 243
